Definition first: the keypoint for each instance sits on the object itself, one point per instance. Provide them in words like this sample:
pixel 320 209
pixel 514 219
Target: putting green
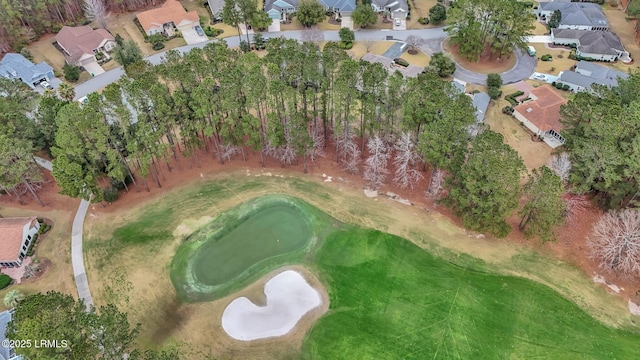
pixel 244 243
pixel 271 231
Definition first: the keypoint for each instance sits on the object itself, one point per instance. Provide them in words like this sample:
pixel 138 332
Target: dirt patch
pixel 487 64
pixel 43 265
pixel 540 29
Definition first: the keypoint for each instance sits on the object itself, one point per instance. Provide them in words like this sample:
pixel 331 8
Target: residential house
pixel 575 15
pixel 167 18
pixel 458 86
pixel 480 101
pixel 15 66
pixel 16 235
pixel 597 45
pixel 81 44
pixel 398 9
pixel 278 10
pixel 586 74
pixel 6 352
pixel 541 114
pixel 216 6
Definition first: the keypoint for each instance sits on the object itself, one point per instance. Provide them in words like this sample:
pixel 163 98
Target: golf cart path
pixel 77 259
pixel 433 42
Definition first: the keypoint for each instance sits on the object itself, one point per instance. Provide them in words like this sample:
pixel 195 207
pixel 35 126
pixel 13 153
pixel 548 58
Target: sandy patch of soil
pixel 288 297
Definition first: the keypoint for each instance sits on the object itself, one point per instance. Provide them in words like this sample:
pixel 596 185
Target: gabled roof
pixel 12 231
pixel 544 112
pixel 16 66
pixel 480 101
pixel 342 5
pixel 170 11
pixel 592 42
pixel 587 74
pixel 393 5
pixel 81 40
pixel 279 5
pixel 577 13
pixel 5 318
pixel 216 6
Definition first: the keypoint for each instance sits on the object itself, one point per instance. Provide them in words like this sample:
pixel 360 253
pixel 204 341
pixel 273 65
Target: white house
pixel 16 234
pixel 541 114
pixel 587 74
pixel 597 45
pixel 278 11
pixel 575 15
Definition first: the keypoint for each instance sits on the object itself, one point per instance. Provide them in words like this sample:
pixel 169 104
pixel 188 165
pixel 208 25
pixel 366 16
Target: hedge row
pixel 5 280
pixel 512 97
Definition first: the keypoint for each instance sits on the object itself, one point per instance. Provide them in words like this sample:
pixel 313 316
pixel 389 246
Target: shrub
pixel 546 57
pixel 32 246
pixel 56 28
pixel 71 72
pixel 5 280
pixel 155 38
pixel 507 110
pixel 44 227
pixel 244 46
pixel 157 46
pixel 208 31
pixel 553 83
pixel 558 85
pixel 512 97
pixel 528 3
pixel 423 20
pixel 565 87
pixel 111 194
pixel 494 92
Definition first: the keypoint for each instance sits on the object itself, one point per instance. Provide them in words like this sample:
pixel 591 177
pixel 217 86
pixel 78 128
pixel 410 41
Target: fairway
pixel 271 231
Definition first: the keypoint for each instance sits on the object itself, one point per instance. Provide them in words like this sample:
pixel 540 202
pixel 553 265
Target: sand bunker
pixel 289 298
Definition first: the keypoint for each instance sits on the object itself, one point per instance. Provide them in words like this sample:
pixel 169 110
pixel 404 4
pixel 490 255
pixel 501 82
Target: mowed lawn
pixel 392 300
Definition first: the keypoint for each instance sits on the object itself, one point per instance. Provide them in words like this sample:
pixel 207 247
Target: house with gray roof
pixel 278 10
pixel 480 101
pixel 6 353
pixel 597 45
pixel 398 10
pixel 215 7
pixel 15 66
pixel 587 74
pixel 575 15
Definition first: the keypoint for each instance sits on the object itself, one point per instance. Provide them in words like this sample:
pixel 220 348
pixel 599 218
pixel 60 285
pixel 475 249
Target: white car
pixel 397 21
pixel 45 85
pixel 83 100
pixel 541 77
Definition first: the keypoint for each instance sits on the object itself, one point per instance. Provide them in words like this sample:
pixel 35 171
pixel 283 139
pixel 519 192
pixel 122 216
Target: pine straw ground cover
pixel 389 298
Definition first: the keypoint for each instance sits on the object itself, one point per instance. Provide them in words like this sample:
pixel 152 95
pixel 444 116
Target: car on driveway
pixel 45 85
pixel 199 30
pixel 541 77
pixel 397 21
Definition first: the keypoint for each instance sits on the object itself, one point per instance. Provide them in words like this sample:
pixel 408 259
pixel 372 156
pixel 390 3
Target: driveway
pixel 191 36
pixel 395 50
pixel 401 26
pixel 94 69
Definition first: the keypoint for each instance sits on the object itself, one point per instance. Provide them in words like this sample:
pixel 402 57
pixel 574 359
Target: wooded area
pixel 24 21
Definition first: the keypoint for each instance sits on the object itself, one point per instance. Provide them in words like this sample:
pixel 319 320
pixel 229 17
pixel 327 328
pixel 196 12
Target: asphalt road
pixel 433 42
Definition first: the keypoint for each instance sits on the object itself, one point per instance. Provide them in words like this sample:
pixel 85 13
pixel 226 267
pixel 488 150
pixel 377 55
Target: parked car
pixel 83 100
pixel 199 30
pixel 541 77
pixel 531 51
pixel 45 85
pixel 397 21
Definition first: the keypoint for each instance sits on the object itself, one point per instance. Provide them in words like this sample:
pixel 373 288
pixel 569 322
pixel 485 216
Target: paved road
pixel 525 66
pixel 77 259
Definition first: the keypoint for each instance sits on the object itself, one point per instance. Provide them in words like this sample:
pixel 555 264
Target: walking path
pixel 77 259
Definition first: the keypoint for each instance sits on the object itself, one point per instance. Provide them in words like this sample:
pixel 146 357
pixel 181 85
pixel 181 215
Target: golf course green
pixel 389 298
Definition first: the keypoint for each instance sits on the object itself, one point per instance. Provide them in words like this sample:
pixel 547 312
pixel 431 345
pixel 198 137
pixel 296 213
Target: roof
pixel 12 231
pixel 170 11
pixel 14 66
pixel 577 13
pixel 460 87
pixel 393 5
pixel 5 318
pixel 592 42
pixel 342 5
pixel 544 112
pixel 81 40
pixel 587 74
pixel 216 6
pixel 480 101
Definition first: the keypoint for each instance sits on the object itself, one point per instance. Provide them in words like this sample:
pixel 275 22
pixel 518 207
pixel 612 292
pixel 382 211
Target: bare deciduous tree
pixel 95 10
pixel 436 185
pixel 406 157
pixel 376 164
pixel 313 35
pixel 368 45
pixel 560 164
pixel 348 152
pixel 228 151
pixel 317 150
pixel 415 42
pixel 576 203
pixel 615 242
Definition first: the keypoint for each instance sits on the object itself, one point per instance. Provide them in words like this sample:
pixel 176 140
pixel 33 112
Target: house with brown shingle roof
pixel 81 44
pixel 542 114
pixel 165 19
pixel 16 234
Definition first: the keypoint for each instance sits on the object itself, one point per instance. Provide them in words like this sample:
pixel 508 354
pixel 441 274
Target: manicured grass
pixel 153 226
pixel 271 231
pixel 244 243
pixel 392 300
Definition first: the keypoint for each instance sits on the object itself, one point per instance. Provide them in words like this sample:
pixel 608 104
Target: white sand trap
pixel 289 298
